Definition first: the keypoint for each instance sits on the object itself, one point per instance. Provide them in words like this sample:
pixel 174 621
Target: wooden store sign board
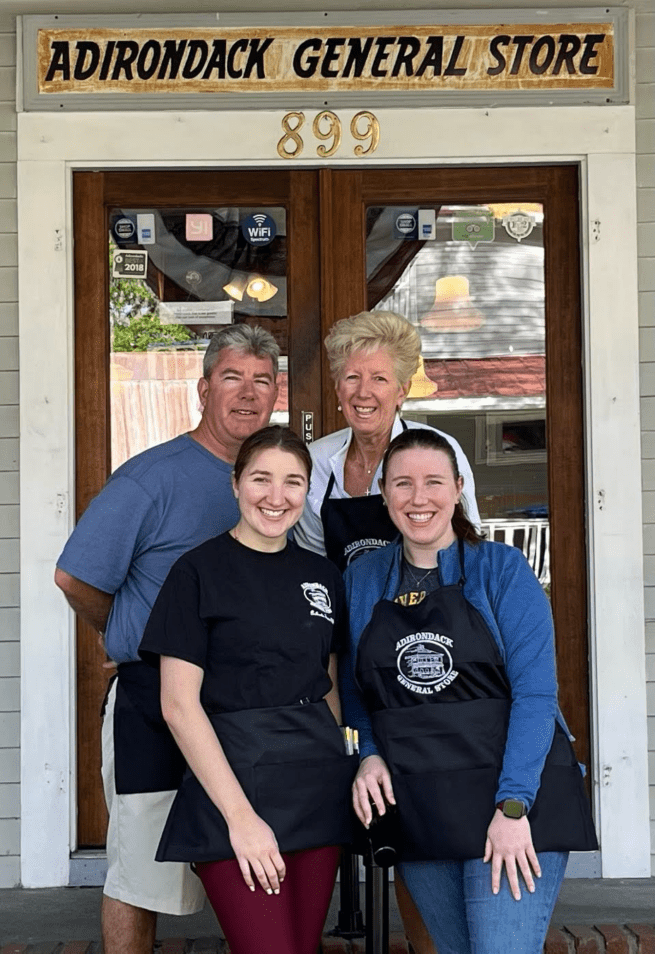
pixel 379 58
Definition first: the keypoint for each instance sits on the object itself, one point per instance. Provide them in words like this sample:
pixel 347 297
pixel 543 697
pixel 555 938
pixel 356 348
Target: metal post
pixel 377 910
pixel 350 922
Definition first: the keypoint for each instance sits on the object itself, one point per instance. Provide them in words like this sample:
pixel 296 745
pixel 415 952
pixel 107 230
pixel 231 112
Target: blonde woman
pixel 372 358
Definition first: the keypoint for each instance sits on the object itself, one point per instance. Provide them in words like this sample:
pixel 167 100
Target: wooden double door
pixel 484 260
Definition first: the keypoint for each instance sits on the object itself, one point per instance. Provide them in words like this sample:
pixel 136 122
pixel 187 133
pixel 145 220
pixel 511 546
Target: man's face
pixel 238 398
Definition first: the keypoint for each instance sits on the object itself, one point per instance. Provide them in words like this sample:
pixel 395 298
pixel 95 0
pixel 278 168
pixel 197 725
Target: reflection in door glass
pixel 471 278
pixel 176 277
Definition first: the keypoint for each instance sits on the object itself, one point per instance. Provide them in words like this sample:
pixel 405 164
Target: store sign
pixel 526 57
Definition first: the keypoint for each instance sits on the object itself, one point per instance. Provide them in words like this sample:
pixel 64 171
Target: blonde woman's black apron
pixel 435 684
pixel 353 526
pixel 290 762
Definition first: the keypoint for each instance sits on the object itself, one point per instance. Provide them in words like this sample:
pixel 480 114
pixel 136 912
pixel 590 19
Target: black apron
pixel 292 766
pixel 146 757
pixel 435 684
pixel 353 526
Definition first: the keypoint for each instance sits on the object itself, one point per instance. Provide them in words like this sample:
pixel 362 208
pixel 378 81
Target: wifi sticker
pixel 258 229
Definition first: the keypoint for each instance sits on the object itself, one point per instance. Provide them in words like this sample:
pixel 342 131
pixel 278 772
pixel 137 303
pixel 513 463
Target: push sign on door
pixel 259 229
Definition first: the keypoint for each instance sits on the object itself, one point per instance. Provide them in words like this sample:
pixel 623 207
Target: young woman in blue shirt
pixel 455 699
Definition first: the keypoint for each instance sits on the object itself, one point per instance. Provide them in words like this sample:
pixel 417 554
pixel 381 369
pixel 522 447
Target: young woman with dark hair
pixel 247 629
pixel 452 651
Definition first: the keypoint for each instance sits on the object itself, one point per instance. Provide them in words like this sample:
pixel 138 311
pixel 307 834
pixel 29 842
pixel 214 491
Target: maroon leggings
pixel 290 922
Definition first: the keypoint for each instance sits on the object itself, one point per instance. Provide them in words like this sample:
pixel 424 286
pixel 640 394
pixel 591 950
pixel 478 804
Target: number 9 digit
pixel 372 132
pixel 333 132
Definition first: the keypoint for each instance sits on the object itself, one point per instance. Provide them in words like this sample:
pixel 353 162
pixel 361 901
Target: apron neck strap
pixel 330 485
pixel 462 572
pixel 403 424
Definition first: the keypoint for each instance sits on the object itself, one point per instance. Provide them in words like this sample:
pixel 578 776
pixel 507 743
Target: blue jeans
pixel 464 917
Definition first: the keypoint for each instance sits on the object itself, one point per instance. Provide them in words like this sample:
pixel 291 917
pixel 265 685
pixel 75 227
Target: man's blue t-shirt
pixel 153 509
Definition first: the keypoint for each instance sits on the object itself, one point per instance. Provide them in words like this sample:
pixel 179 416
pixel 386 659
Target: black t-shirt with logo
pixel 261 625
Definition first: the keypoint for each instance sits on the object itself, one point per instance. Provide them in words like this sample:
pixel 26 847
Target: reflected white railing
pixel 530 536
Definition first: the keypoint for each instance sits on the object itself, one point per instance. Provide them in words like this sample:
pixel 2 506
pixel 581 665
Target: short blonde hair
pixel 367 332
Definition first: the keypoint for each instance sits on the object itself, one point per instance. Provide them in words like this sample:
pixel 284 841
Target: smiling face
pixel 420 491
pixel 369 392
pixel 271 495
pixel 236 400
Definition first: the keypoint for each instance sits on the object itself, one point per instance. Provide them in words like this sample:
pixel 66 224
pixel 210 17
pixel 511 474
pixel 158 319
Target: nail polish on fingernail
pixel 252 887
pixel 495 890
pixel 277 891
pixel 269 891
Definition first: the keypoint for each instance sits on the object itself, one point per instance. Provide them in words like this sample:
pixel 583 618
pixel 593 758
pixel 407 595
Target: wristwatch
pixel 512 808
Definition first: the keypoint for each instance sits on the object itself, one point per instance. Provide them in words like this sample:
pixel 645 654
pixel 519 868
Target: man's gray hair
pixel 248 339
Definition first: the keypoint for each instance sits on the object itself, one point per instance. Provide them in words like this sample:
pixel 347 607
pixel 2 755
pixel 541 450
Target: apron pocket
pixel 195 830
pixel 278 734
pixel 307 804
pixel 411 737
pixel 462 800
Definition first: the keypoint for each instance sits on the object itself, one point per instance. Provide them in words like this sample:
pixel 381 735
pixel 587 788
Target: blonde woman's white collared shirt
pixel 329 456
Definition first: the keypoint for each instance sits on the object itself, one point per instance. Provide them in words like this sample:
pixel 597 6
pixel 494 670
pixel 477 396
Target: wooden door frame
pixel 341 199
pixel 344 199
pixel 94 193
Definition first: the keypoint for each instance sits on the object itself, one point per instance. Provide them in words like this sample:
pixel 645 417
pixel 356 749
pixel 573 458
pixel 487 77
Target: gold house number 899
pixel 327 128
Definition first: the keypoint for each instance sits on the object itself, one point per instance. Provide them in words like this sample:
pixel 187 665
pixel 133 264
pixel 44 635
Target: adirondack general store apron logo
pixel 424 662
pixel 519 57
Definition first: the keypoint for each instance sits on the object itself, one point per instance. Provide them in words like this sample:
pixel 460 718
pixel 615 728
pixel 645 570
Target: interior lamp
pixel 236 286
pixel 421 386
pixel 260 288
pixel 453 308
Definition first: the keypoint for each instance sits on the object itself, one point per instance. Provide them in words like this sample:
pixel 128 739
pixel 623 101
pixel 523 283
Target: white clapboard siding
pixel 9 455
pixel 645 111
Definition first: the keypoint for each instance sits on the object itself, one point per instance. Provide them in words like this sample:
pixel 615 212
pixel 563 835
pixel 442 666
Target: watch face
pixel 513 808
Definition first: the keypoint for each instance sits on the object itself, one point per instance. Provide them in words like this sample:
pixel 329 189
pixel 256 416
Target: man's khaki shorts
pixel 135 826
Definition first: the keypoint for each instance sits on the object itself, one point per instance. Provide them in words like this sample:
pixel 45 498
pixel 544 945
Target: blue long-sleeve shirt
pixel 501 585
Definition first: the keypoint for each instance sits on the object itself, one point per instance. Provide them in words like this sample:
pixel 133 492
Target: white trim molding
pixel 601 140
pixel 618 655
pixel 46 490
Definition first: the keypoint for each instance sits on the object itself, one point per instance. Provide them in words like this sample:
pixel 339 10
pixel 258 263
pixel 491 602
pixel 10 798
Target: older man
pixel 153 509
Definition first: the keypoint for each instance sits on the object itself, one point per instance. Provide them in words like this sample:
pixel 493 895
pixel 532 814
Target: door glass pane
pixel 471 278
pixel 178 276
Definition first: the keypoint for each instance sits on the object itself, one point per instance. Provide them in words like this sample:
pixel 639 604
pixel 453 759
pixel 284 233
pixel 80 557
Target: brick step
pixel 570 939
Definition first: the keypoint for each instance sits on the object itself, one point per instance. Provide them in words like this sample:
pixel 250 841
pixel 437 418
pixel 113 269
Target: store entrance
pixel 485 261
